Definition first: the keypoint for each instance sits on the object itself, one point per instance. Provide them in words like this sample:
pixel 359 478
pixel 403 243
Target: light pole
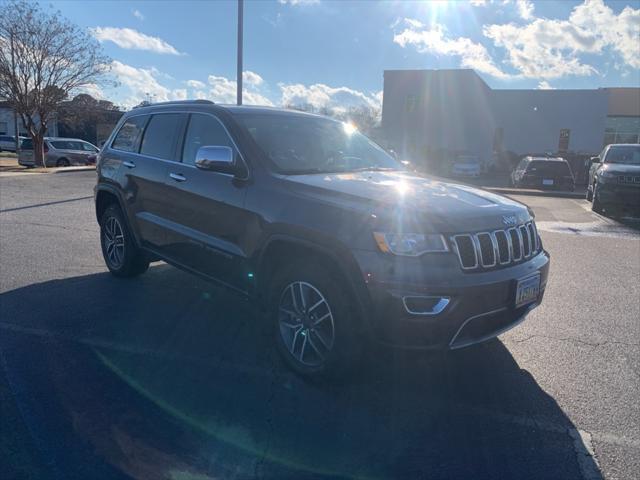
pixel 239 73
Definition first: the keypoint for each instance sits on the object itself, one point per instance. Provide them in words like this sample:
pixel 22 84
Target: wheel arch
pixel 106 196
pixel 341 262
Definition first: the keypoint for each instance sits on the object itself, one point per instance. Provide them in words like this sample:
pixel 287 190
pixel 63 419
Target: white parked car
pixel 8 143
pixel 466 166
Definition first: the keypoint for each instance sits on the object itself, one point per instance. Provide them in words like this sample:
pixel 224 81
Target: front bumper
pixel 481 305
pixel 619 195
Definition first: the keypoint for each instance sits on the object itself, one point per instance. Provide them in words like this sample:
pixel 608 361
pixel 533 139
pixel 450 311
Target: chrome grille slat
pixel 484 250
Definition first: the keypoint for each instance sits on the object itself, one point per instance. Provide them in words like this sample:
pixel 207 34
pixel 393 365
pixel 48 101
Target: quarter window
pixel 160 135
pixel 128 137
pixel 203 131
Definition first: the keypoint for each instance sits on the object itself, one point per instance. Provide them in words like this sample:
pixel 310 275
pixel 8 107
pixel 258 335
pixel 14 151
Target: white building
pixel 7 123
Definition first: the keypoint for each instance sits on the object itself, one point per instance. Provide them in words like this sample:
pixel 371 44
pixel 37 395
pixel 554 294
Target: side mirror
pixel 595 160
pixel 215 159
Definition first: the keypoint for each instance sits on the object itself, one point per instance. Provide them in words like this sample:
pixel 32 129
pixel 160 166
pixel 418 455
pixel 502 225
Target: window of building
pixel 203 131
pixel 128 137
pixel 622 130
pixel 412 103
pixel 160 135
pixel 3 128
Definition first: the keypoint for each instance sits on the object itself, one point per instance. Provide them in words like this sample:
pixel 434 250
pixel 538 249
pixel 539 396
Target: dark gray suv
pixel 318 224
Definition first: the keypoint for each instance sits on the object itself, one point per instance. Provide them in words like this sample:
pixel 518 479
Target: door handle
pixel 129 164
pixel 178 177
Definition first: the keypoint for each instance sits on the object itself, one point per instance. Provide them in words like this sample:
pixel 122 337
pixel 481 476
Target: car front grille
pixel 629 179
pixel 499 248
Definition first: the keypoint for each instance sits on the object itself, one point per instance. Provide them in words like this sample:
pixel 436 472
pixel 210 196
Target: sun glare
pixel 349 128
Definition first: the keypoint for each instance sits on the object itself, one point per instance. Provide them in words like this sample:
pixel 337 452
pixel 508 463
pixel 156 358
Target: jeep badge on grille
pixel 509 220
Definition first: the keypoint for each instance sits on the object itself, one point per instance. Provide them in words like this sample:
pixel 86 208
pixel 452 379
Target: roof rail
pixel 179 102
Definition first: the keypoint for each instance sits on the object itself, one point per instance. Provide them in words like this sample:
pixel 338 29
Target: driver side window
pixel 203 130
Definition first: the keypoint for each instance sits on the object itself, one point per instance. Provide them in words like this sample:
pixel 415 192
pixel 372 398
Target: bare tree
pixel 43 59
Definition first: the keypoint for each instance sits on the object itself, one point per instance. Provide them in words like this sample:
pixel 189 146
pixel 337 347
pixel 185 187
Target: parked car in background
pixel 8 143
pixel 466 166
pixel 543 172
pixel 614 178
pixel 59 152
pixel 334 237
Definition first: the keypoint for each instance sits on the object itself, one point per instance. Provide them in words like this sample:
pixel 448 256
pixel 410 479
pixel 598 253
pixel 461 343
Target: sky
pixel 330 53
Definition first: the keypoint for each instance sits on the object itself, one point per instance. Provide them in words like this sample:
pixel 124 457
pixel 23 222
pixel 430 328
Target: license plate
pixel 547 181
pixel 527 290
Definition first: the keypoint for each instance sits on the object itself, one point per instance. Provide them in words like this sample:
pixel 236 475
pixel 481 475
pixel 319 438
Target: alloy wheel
pixel 114 242
pixel 306 323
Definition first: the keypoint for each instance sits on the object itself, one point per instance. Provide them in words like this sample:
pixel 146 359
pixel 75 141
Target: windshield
pixel 627 154
pixel 297 144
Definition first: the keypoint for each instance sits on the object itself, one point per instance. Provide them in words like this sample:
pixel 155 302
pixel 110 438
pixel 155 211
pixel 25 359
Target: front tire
pixel 316 331
pixel 596 206
pixel 119 250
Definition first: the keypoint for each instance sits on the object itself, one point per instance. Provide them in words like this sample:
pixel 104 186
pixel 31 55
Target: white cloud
pixel 131 39
pixel 137 84
pixel 195 84
pixel 94 90
pixel 320 96
pixel 551 48
pixel 434 41
pixel 544 85
pixel 251 78
pixel 525 9
pixel 478 3
pixel 223 90
pixel 179 94
pixel 298 2
pixel 138 14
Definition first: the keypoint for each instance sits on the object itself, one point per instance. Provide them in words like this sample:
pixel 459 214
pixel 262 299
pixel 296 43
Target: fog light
pixel 425 305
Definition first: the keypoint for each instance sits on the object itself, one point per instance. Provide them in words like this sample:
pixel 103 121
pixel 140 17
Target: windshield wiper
pixel 373 169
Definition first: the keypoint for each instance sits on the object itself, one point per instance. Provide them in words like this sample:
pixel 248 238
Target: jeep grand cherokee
pixel 320 225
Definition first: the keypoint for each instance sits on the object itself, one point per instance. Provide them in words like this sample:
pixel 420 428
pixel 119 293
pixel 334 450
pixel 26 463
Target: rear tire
pixel 119 250
pixel 315 330
pixel 62 162
pixel 589 195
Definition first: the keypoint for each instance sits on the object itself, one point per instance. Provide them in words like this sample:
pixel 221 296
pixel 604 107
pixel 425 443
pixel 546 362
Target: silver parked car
pixel 59 152
pixel 8 143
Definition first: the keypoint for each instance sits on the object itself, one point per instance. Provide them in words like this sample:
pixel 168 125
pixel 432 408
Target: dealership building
pixel 433 115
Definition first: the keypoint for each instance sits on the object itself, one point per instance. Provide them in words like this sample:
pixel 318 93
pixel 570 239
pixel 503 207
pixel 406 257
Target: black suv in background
pixel 322 227
pixel 614 179
pixel 543 172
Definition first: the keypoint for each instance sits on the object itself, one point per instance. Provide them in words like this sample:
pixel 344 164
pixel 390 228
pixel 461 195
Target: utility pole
pixel 239 74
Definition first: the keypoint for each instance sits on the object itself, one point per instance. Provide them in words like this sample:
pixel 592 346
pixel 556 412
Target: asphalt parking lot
pixel 166 376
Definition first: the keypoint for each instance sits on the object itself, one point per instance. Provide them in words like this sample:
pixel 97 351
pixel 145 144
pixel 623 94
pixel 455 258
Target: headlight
pixel 410 244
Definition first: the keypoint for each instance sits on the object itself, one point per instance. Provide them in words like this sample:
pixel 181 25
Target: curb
pixel 537 193
pixel 49 171
pixel 72 169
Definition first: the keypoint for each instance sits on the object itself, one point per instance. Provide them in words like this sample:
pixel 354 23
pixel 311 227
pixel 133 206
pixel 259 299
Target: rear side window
pixel 203 130
pixel 161 135
pixel 128 137
pixel 63 145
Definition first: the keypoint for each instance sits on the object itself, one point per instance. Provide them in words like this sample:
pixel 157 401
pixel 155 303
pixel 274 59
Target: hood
pixel 621 168
pixel 411 198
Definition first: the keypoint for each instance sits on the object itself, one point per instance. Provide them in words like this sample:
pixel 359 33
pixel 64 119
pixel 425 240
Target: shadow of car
pixel 171 377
